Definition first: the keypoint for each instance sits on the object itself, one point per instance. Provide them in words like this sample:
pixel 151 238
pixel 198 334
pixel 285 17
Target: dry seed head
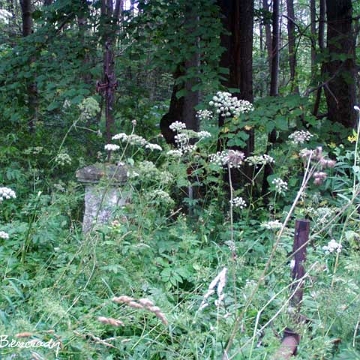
pixel 135 305
pixel 24 334
pixel 123 299
pixel 146 302
pixel 110 321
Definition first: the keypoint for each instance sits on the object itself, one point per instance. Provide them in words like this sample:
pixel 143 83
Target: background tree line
pixel 136 55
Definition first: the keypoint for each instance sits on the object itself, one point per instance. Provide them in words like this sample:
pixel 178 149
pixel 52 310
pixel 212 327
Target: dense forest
pixel 179 180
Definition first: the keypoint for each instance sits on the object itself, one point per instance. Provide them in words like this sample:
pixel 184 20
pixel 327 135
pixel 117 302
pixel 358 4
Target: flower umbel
pixel 238 202
pixel 332 246
pixel 280 186
pixel 6 193
pixel 4 235
pixel 299 137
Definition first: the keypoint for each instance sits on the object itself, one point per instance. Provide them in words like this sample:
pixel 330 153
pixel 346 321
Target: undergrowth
pixel 192 266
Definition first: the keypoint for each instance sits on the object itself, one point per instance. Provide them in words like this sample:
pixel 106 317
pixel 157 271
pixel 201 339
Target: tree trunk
pixel 32 98
pixel 238 20
pixel 292 47
pixel 110 18
pixel 313 37
pixel 274 86
pixel 321 44
pixel 191 97
pixel 268 33
pixel 340 69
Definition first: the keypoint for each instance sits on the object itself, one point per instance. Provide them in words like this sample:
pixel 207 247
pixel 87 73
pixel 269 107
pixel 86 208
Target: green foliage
pixel 59 284
pixel 183 225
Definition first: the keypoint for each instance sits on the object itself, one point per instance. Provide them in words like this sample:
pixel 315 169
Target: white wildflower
pixel 160 196
pixel 181 139
pixel 153 147
pixel 203 134
pixel 260 159
pixel 187 149
pixel 134 139
pixel 219 158
pixel 112 147
pixel 280 186
pixel 174 153
pixel 272 225
pixel 226 105
pixel 6 193
pixel 63 159
pixel 4 235
pixel 238 202
pixel 177 126
pixel 33 150
pixel 299 137
pixel 121 137
pixel 332 246
pixel 204 114
pixel 232 158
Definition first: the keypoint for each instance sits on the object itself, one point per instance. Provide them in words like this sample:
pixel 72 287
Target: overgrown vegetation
pixel 214 270
pixel 192 266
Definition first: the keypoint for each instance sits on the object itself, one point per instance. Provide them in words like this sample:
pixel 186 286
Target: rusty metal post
pixel 291 339
pixel 302 230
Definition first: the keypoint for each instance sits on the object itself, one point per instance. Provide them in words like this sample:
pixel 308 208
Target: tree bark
pixel 32 96
pixel 340 69
pixel 292 45
pixel 110 17
pixel 238 19
pixel 321 44
pixel 274 86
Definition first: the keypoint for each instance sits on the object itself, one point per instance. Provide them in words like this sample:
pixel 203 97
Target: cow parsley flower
pixel 272 225
pixel 174 153
pixel 204 115
pixel 299 137
pixel 112 147
pixel 63 159
pixel 332 246
pixel 177 126
pixel 203 134
pixel 6 193
pixel 260 159
pixel 4 235
pixel 232 158
pixel 226 105
pixel 122 137
pixel 153 146
pixel 238 202
pixel 280 186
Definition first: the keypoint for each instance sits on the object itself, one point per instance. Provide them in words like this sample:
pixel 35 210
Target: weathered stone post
pixel 103 192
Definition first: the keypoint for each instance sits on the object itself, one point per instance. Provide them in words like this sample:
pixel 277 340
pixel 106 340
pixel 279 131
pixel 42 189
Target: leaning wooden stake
pixel 291 339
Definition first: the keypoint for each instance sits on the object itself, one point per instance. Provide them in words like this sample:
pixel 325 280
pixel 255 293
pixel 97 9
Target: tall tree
pixel 274 83
pixel 237 40
pixel 292 45
pixel 110 13
pixel 321 44
pixel 340 69
pixel 27 28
